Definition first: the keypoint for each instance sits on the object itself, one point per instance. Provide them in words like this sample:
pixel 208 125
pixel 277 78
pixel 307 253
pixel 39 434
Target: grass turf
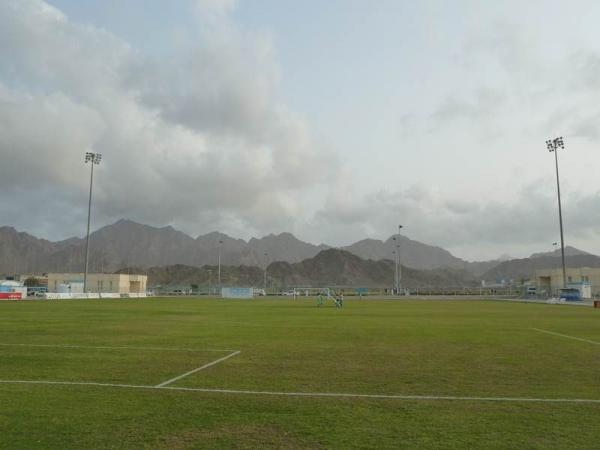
pixel 446 348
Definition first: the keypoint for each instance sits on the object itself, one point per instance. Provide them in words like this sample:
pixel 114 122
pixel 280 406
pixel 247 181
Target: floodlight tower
pixel 395 252
pixel 553 146
pixel 266 265
pixel 94 159
pixel 219 267
pixel 399 266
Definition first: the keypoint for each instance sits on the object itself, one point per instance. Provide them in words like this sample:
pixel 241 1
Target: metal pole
pixel 209 281
pixel 219 270
pixel 395 252
pixel 399 261
pixel 562 239
pixel 266 265
pixel 87 239
pixel 397 276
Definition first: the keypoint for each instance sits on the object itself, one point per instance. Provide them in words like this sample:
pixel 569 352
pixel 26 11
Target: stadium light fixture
pixel 553 146
pixel 94 160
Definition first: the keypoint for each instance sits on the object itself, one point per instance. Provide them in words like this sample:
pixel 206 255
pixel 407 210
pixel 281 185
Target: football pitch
pixel 280 373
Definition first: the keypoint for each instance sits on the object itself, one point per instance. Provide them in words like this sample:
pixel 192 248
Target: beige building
pixel 551 280
pixel 98 282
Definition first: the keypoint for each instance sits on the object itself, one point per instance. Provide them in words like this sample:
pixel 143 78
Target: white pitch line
pixel 103 347
pixel 566 336
pixel 198 369
pixel 312 394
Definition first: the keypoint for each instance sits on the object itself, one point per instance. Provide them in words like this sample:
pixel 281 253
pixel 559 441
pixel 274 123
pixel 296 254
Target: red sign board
pixel 10 296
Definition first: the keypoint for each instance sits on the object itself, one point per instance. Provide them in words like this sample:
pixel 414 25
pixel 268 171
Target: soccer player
pixel 320 300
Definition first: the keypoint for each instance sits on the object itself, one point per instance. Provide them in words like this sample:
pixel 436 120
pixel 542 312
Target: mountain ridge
pixel 127 243
pixel 329 268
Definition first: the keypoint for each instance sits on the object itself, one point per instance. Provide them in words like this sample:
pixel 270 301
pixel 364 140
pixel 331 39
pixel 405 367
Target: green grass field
pixel 470 351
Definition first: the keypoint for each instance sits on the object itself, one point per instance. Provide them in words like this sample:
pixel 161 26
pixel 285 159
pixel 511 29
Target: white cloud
pixel 200 140
pixel 473 229
pixel 215 7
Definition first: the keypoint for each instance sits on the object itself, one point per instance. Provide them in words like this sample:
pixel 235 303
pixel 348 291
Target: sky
pixel 336 121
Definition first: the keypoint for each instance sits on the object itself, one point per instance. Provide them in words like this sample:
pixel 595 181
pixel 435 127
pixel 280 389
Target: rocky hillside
pixel 130 244
pixel 412 253
pixel 518 269
pixel 330 267
pixel 127 243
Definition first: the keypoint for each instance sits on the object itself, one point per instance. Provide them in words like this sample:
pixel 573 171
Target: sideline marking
pixel 103 347
pixel 312 394
pixel 198 369
pixel 566 336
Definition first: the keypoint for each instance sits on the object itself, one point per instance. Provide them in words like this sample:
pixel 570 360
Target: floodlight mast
pixel 395 252
pixel 266 265
pixel 219 267
pixel 94 159
pixel 399 266
pixel 553 146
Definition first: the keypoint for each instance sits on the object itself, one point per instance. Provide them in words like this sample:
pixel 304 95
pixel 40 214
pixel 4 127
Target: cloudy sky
pixel 334 120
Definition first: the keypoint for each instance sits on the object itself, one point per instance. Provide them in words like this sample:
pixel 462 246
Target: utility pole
pixel 553 146
pixel 94 159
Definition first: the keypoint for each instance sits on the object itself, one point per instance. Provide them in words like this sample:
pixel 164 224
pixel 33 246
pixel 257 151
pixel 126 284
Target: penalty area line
pixel 312 394
pixel 566 336
pixel 198 369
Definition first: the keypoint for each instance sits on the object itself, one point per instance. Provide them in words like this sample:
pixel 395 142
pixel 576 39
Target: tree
pixel 32 282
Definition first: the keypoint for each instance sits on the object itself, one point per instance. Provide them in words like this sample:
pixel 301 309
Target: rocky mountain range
pixel 342 268
pixel 130 244
pixel 412 253
pixel 331 267
pixel 127 243
pixel 518 269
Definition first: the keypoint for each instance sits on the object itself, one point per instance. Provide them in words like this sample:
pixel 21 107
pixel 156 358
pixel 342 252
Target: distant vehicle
pixel 259 292
pixel 33 291
pixel 531 291
pixel 289 293
pixel 570 294
pixel 177 292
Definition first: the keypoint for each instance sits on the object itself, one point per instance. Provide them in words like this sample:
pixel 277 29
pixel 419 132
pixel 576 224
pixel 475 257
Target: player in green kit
pixel 320 300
